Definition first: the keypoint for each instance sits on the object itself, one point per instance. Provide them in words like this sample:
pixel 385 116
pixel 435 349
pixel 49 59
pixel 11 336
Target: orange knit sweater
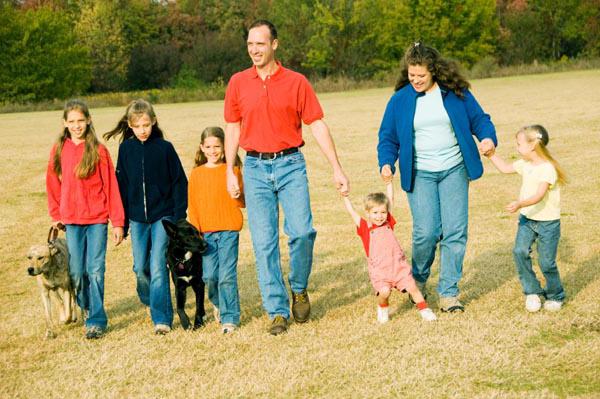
pixel 210 207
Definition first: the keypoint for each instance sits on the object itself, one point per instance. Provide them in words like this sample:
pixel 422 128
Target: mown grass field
pixel 494 349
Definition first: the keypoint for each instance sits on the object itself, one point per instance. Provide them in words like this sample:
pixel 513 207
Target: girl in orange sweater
pixel 219 218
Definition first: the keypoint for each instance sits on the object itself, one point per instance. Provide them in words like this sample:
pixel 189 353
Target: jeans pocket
pixel 295 158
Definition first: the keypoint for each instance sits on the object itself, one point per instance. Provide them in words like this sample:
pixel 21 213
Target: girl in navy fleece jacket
pixel 153 187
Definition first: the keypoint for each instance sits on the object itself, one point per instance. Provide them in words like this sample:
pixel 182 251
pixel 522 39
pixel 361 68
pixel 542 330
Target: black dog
pixel 184 258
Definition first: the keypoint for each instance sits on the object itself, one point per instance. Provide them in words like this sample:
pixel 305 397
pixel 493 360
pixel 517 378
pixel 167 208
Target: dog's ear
pixel 52 248
pixel 170 228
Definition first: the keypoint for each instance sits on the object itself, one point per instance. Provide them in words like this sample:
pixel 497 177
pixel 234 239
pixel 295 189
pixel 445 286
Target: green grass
pixel 494 350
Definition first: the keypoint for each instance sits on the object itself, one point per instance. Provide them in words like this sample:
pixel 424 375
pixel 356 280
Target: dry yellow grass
pixel 494 349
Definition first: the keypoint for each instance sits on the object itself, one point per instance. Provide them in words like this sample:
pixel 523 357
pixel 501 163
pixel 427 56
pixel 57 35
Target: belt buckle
pixel 267 156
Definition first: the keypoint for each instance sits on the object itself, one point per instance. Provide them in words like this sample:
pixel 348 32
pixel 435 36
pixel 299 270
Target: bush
pixel 484 68
pixel 186 79
pixel 153 66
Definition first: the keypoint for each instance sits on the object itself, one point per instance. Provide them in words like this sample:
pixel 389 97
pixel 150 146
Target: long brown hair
pixel 134 110
pixel 213 131
pixel 444 71
pixel 91 156
pixel 539 135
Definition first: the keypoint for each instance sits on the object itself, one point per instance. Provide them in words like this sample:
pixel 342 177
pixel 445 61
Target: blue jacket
pixel 396 134
pixel 151 180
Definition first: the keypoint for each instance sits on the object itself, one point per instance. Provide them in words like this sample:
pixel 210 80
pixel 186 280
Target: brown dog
pixel 50 263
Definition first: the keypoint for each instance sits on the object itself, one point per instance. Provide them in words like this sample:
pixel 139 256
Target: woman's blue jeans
pixel 546 235
pixel 439 203
pixel 268 184
pixel 87 253
pixel 219 272
pixel 149 245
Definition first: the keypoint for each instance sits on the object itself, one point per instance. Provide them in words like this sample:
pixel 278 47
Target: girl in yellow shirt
pixel 539 219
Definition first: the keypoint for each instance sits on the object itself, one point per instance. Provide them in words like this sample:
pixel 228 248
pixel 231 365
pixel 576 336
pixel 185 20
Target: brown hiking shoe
pixel 278 325
pixel 300 306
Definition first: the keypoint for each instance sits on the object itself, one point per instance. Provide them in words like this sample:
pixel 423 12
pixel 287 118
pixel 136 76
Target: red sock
pixel 422 305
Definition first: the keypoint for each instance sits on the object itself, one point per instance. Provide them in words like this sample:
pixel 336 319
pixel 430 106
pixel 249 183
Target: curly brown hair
pixel 445 72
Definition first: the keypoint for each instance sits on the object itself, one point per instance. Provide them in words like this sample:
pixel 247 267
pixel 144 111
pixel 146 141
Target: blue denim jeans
pixel 268 184
pixel 87 252
pixel 439 204
pixel 219 272
pixel 149 245
pixel 546 235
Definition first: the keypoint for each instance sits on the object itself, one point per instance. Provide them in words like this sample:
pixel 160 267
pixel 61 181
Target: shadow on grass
pixel 331 286
pixel 576 281
pixel 124 312
pixel 338 285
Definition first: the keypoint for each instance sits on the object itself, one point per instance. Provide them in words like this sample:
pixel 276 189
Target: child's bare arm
pixel 501 164
pixel 389 192
pixel 534 199
pixel 353 214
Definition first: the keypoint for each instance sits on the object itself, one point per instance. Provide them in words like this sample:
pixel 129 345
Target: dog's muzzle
pixel 32 272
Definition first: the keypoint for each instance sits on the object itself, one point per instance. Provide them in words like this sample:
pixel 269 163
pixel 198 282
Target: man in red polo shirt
pixel 265 106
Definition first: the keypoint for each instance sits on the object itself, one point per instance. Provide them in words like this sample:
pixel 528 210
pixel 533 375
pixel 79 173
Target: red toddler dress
pixel 386 261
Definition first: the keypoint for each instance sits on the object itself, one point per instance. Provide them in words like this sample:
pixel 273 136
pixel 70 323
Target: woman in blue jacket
pixel 428 127
pixel 153 187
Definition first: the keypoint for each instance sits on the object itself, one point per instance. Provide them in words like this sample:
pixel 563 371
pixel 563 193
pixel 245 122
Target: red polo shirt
pixel 271 112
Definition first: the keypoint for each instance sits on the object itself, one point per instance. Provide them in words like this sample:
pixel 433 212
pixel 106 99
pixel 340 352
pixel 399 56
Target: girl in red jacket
pixel 83 194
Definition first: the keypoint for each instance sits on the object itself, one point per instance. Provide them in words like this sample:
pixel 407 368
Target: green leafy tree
pixel 101 31
pixel 40 56
pixel 294 21
pixel 461 29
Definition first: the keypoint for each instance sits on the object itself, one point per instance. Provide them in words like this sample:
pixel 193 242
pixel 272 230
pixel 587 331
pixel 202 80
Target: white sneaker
pixel 383 314
pixel 427 314
pixel 162 329
pixel 552 306
pixel 533 303
pixel 228 328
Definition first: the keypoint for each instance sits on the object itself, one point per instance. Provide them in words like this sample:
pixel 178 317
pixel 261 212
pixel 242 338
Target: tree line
pixel 60 48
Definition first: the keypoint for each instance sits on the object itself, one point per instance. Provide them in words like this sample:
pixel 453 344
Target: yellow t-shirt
pixel 549 207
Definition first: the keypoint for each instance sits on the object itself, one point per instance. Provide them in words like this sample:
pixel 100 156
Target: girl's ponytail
pixel 120 129
pixel 134 110
pixel 539 135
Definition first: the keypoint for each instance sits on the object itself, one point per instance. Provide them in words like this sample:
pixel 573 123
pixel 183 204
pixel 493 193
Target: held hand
pixel 513 206
pixel 386 174
pixel 233 186
pixel 341 182
pixel 117 235
pixel 59 225
pixel 487 147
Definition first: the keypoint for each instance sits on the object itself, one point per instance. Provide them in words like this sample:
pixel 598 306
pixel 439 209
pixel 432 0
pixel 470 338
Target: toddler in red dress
pixel 387 264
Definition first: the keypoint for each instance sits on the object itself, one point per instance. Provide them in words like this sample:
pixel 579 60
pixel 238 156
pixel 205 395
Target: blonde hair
pixel 213 131
pixel 375 199
pixel 135 110
pixel 86 167
pixel 539 135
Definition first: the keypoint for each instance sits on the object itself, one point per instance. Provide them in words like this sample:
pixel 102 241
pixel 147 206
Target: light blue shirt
pixel 436 148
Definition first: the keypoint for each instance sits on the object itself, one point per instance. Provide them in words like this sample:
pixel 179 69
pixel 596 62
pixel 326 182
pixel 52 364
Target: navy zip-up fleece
pixel 396 134
pixel 152 181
